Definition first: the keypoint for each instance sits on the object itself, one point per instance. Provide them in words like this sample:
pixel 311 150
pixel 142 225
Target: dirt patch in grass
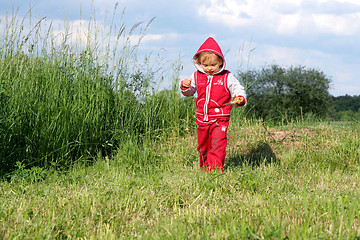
pixel 263 143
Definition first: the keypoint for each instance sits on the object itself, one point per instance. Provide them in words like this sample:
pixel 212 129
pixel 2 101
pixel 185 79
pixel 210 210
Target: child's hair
pixel 204 56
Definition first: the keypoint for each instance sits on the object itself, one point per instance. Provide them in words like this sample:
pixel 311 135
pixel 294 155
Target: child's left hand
pixel 239 101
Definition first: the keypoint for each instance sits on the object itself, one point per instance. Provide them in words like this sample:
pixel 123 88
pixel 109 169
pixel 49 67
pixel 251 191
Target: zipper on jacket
pixel 207 97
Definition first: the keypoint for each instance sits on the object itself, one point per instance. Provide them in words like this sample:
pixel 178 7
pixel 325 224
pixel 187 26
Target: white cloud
pixel 152 37
pixel 82 31
pixel 355 2
pixel 293 56
pixel 286 17
pixel 74 33
pixel 345 25
pixel 345 85
pixel 286 56
pixel 288 24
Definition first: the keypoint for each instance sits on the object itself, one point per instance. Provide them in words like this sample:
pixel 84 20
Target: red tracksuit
pixel 213 93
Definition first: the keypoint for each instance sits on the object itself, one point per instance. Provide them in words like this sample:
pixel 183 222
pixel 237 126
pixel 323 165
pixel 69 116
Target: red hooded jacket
pixel 214 91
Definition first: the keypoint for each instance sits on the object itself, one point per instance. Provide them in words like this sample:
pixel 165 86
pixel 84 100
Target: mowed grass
pixel 295 182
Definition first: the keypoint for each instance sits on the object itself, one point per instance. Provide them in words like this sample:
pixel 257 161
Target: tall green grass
pixel 75 93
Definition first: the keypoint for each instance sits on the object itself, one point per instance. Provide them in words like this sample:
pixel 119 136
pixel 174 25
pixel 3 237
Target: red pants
pixel 212 143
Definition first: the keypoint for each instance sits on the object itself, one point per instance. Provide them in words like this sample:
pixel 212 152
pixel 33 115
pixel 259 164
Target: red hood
pixel 210 45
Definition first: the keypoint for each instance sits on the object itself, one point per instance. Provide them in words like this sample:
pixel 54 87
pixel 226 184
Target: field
pixel 295 182
pixel 90 148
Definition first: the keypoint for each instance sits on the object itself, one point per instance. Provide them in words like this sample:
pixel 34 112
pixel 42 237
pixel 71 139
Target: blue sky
pixel 320 34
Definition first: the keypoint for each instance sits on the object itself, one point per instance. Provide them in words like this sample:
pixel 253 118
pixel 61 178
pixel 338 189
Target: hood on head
pixel 210 45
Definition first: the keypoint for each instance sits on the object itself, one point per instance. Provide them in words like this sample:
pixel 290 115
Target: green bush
pixel 277 94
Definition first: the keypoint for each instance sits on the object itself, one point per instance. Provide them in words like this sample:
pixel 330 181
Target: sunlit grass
pixel 159 192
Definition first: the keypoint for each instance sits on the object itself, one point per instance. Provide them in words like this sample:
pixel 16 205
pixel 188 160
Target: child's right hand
pixel 185 83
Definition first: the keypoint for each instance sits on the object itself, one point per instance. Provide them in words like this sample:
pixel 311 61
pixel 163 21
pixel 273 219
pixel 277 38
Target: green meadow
pixel 91 149
pixel 298 182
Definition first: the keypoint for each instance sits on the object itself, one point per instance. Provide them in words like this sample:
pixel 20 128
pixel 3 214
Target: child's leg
pixel 203 144
pixel 217 151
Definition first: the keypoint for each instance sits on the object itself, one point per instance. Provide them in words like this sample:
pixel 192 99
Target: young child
pixel 216 88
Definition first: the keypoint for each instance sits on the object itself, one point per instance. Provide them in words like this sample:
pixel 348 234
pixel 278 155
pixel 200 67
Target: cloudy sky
pixel 320 34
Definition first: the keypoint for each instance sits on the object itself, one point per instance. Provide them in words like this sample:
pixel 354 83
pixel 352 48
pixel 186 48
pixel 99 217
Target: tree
pixel 276 93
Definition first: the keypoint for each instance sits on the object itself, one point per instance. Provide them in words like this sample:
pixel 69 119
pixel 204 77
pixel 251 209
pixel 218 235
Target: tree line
pixel 347 107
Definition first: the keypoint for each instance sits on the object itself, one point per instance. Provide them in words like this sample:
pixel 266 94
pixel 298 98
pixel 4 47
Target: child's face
pixel 210 64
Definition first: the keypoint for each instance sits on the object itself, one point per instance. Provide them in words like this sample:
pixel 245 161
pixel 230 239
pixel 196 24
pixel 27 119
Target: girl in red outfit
pixel 215 88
